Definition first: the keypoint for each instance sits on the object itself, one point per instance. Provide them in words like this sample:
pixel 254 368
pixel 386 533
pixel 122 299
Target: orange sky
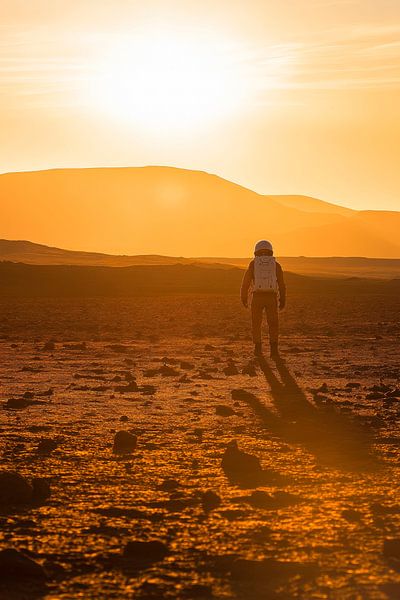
pixel 299 96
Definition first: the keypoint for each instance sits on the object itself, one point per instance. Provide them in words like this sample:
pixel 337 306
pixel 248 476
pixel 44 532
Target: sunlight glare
pixel 164 82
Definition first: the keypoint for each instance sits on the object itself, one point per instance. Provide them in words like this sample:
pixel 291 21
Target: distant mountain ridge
pixel 38 254
pixel 171 211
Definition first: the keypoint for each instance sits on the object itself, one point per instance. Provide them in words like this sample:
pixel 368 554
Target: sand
pixel 323 423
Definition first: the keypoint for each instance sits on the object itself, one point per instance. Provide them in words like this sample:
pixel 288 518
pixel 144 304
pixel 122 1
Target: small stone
pixel 169 485
pixel 124 442
pixel 241 395
pixel 41 489
pixel 46 445
pixel 231 370
pixel 49 346
pixel 250 370
pixel 167 371
pixel 14 489
pixel 240 467
pixel 210 500
pixel 375 396
pixel 224 411
pixel 391 548
pixel 18 403
pixel 118 348
pixel 351 515
pixel 145 552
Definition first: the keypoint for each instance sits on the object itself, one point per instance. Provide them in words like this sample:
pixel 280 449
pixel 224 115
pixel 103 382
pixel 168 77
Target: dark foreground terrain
pixel 177 510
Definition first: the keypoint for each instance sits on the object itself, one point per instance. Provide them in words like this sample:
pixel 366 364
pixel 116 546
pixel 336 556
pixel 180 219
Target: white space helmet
pixel 263 245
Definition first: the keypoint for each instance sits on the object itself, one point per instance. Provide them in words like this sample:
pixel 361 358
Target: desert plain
pixel 235 477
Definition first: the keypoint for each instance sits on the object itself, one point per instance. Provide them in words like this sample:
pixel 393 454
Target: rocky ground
pixel 234 478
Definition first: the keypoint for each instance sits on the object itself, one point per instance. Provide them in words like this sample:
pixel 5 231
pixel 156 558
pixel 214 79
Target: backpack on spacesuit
pixel 265 279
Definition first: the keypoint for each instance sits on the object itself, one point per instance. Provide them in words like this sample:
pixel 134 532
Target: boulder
pixel 14 489
pixel 15 565
pixel 124 442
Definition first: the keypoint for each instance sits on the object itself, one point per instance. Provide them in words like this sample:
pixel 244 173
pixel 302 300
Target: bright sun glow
pixel 166 82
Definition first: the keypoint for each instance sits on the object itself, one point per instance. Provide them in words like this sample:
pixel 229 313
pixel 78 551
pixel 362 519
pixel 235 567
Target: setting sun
pixel 161 81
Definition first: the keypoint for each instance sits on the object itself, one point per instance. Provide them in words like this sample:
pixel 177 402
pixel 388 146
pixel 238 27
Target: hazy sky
pixel 296 96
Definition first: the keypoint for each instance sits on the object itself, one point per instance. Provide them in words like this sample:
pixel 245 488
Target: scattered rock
pixel 118 348
pixel 241 395
pixel 79 346
pixel 210 500
pixel 379 509
pixel 18 403
pixel 124 442
pixel 167 371
pixel 14 489
pixel 351 515
pixel 186 366
pixel 169 485
pixel 145 552
pixel 131 387
pixel 374 396
pixel 15 565
pixel 380 388
pixel 224 411
pixel 250 370
pixel 147 390
pixel 48 392
pixel 49 346
pixel 241 468
pixel 41 489
pixel 231 369
pixel 46 445
pixel 391 548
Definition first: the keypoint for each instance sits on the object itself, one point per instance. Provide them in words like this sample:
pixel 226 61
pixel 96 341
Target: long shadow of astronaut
pixel 332 437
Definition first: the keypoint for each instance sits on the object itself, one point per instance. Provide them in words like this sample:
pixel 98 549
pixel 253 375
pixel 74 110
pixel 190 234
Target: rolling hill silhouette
pixel 37 254
pixel 164 210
